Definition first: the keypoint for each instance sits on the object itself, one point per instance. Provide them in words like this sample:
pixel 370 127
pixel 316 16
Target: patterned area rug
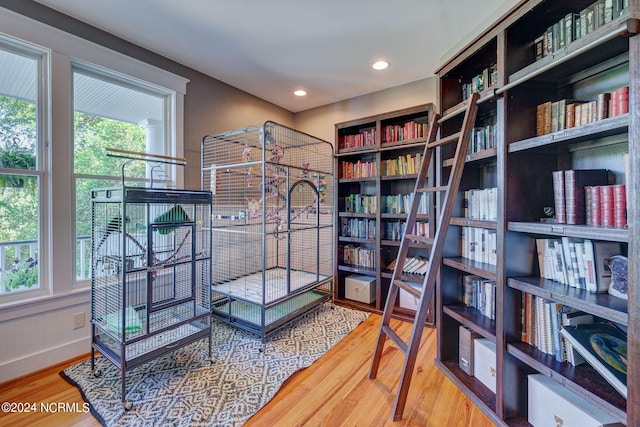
pixel 184 389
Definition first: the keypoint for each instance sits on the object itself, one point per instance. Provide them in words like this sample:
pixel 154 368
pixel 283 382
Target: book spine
pixel 619 206
pixel 606 205
pixel 558 197
pixel 573 202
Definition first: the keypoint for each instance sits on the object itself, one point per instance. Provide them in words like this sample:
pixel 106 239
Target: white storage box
pixel 551 404
pixel 360 288
pixel 484 362
pixel 408 301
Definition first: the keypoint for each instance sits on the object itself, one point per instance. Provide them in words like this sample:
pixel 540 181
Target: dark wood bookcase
pixel 378 142
pixel 520 166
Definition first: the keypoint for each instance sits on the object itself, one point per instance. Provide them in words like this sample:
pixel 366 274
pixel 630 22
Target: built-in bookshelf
pixel 377 159
pixel 562 100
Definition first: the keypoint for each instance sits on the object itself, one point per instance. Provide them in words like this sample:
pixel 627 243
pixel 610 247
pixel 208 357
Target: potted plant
pixel 14 155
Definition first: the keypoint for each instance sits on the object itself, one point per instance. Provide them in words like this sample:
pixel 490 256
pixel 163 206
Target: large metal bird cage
pixel 272 224
pixel 150 273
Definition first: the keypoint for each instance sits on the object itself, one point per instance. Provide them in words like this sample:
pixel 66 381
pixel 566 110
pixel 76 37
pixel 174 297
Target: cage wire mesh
pixel 151 272
pixel 272 219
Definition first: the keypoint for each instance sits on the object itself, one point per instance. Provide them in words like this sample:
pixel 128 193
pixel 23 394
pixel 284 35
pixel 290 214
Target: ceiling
pixel 271 48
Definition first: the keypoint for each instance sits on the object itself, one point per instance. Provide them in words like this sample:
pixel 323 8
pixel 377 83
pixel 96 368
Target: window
pixel 21 171
pixel 110 111
pixel 75 98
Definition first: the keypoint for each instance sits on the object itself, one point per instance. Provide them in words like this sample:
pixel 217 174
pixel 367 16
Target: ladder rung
pixel 413 290
pixel 421 239
pixel 431 189
pixel 395 338
pixel 446 140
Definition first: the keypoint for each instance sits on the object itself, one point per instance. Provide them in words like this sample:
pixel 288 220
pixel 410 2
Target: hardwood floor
pixel 334 391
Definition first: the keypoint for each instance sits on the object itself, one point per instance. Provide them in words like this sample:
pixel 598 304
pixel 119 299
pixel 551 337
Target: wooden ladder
pixel 410 349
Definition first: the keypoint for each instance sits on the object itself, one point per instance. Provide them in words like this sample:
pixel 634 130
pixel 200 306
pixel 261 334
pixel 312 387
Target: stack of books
pixel 412 265
pixel 403 132
pixel 364 138
pixel 578 24
pixel 578 263
pixel 567 113
pixel 480 294
pixel 569 192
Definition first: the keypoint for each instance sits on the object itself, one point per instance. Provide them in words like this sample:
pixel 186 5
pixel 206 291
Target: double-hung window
pixel 111 112
pixel 22 166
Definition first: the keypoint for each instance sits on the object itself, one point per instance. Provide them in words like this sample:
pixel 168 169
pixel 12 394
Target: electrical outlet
pixel 78 320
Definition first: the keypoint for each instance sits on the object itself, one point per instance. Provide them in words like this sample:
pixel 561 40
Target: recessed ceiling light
pixel 300 92
pixel 380 65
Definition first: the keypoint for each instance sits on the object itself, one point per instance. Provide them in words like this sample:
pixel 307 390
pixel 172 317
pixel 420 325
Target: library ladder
pixel 436 243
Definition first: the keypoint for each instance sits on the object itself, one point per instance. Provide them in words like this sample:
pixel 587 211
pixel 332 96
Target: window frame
pixel 55 166
pixel 109 76
pixel 41 56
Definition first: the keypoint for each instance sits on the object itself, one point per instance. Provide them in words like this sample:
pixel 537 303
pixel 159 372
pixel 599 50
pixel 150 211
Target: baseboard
pixel 51 356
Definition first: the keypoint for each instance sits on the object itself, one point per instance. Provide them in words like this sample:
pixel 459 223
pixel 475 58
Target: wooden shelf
pixel 356 215
pixel 468 266
pixel 478 223
pixel 581 54
pixel 598 304
pixel 357 269
pixel 582 380
pixel 411 143
pixel 378 187
pixel 355 151
pixel 567 230
pixel 394 177
pixel 356 180
pixel 477 392
pixel 472 319
pixel 521 167
pixel 618 125
pixel 488 154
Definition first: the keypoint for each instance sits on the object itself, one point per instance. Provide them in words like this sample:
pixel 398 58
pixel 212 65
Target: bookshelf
pixel 377 160
pixel 529 143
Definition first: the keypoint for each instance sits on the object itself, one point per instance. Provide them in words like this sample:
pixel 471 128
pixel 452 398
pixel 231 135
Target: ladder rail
pixel 403 250
pixel 411 348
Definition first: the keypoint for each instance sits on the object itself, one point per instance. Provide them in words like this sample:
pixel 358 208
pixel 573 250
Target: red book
pixel 594 212
pixel 623 100
pixel 575 180
pixel 606 205
pixel 619 206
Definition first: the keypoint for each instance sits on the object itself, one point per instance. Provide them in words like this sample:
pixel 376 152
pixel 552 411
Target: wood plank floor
pixel 334 391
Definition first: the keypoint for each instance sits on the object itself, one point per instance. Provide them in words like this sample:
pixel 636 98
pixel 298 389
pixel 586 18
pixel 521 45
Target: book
pixel 591 282
pixel 571 317
pixel 558 196
pixel 575 180
pixel 562 273
pixel 604 346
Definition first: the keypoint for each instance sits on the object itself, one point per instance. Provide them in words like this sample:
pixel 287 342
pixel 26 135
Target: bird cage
pixel 151 273
pixel 272 224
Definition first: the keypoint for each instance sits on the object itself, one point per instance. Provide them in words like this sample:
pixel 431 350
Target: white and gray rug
pixel 184 389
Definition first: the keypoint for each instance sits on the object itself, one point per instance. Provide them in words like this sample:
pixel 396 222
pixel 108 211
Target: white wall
pixel 320 122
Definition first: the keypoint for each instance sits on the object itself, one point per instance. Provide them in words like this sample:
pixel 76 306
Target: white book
pixel 568 263
pixel 541 246
pixel 578 247
pixel 591 282
pixel 561 266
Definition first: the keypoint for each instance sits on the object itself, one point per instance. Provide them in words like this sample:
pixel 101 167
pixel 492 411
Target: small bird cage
pixel 151 271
